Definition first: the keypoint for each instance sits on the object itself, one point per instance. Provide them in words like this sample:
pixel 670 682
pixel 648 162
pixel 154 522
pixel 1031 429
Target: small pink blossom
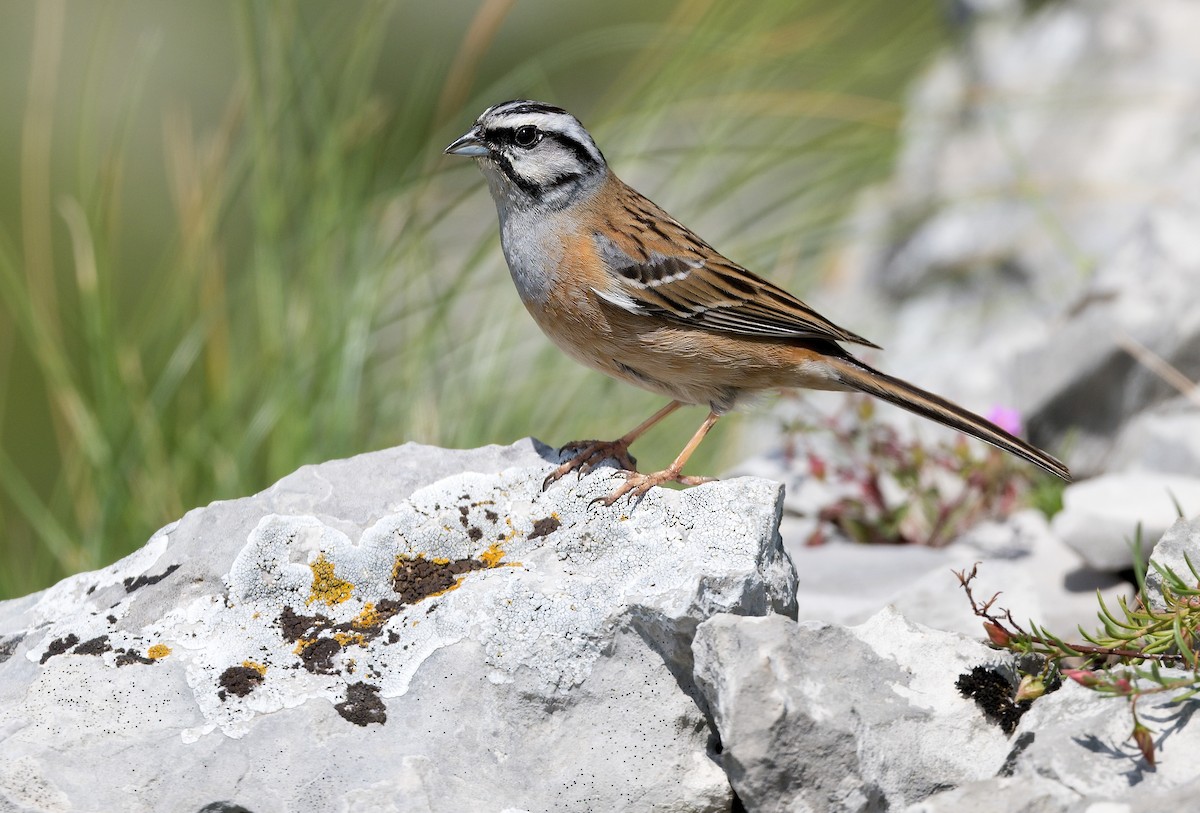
pixel 997 634
pixel 1006 418
pixel 1082 676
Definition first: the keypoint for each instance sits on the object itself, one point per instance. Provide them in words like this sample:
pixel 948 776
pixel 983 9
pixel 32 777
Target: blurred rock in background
pixel 1042 220
pixel 1036 250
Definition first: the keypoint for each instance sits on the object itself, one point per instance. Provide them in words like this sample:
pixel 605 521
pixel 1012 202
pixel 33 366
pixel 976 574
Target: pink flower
pixel 997 634
pixel 1082 676
pixel 1006 418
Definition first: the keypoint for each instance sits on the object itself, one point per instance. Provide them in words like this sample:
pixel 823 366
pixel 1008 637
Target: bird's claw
pixel 636 485
pixel 591 453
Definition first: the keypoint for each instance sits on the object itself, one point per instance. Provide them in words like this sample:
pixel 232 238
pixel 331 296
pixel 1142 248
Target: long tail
pixel 858 376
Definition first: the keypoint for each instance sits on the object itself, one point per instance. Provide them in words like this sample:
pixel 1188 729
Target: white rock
pixel 826 718
pixel 1080 739
pixel 1004 795
pixel 1177 551
pixel 1165 439
pixel 815 717
pixel 1026 229
pixel 271 662
pixel 1101 517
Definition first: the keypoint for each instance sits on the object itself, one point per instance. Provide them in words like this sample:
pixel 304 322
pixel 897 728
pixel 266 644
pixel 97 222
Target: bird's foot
pixel 589 454
pixel 636 485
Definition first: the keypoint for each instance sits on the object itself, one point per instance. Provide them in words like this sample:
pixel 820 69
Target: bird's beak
pixel 470 144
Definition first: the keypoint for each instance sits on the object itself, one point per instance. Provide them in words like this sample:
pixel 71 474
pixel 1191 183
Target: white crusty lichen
pixel 531 582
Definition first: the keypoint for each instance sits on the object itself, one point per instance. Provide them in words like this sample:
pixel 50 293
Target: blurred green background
pixel 230 245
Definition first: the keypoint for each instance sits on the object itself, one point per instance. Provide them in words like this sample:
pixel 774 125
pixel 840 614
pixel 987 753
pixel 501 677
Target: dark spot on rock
pixel 388 607
pixel 296 626
pixel 393 637
pixel 318 656
pixel 474 534
pixel 994 694
pixel 58 646
pixel 320 634
pixel 432 607
pixel 112 619
pixel 132 584
pixel 544 527
pixel 96 646
pixel 129 657
pixel 419 577
pixel 362 705
pixel 91 589
pixel 240 680
pixel 491 515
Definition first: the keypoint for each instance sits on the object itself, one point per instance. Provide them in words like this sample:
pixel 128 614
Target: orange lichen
pixel 350 638
pixel 493 556
pixel 368 617
pixel 158 651
pixel 326 586
pixel 257 667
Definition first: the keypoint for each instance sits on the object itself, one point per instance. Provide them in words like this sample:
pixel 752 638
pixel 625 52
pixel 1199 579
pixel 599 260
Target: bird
pixel 624 288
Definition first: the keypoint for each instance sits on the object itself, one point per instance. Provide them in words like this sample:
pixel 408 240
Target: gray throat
pixel 531 231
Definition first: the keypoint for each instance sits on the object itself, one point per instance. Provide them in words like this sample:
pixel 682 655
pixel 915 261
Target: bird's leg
pixel 638 484
pixel 592 452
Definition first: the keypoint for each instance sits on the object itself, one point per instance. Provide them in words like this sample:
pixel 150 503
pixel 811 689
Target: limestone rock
pixel 1101 517
pixel 1177 551
pixel 1040 217
pixel 410 630
pixel 1073 754
pixel 1165 439
pixel 819 717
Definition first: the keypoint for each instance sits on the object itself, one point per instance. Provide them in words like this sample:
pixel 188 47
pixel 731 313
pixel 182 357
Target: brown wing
pixel 657 266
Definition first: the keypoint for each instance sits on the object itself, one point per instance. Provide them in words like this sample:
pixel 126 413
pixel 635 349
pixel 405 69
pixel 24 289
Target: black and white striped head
pixel 533 153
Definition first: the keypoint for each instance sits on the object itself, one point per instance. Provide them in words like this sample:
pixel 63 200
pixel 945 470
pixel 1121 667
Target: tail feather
pixel 858 376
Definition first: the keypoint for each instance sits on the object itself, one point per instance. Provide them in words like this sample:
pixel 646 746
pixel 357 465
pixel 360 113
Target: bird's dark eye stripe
pixel 508 135
pixel 501 135
pixel 581 152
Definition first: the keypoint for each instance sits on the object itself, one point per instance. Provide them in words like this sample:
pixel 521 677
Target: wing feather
pixel 660 267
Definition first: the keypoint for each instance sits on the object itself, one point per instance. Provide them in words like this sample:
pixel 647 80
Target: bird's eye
pixel 527 136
